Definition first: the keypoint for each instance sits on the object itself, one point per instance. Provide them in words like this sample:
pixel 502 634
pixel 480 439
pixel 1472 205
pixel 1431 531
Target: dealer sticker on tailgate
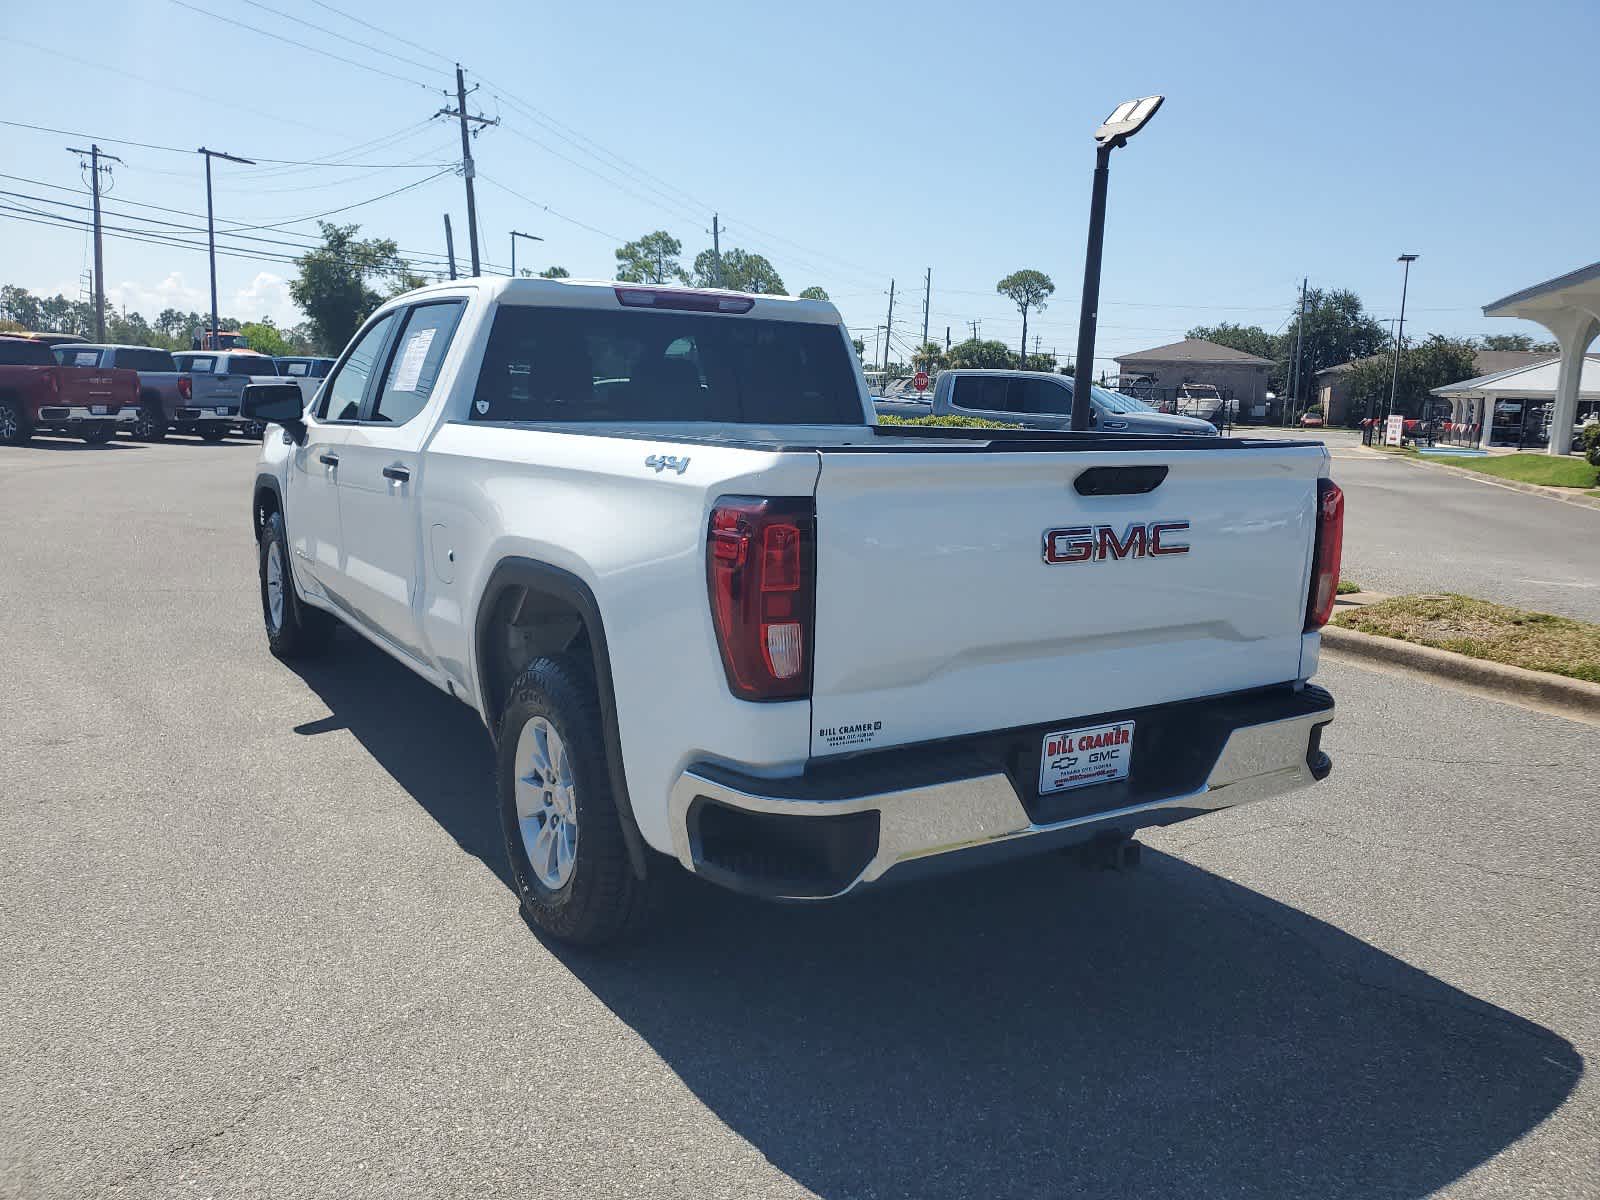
pixel 1075 758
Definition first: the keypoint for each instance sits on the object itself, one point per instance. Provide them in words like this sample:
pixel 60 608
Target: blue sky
pixel 850 143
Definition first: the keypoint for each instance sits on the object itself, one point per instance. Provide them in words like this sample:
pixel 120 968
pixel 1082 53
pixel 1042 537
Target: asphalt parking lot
pixel 256 940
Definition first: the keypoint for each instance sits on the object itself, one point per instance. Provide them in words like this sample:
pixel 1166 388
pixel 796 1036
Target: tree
pixel 265 337
pixel 1026 289
pixel 740 272
pixel 813 293
pixel 928 357
pixel 1431 363
pixel 19 305
pixel 1337 330
pixel 334 287
pixel 651 259
pixel 1249 339
pixel 129 329
pixel 976 353
pixel 555 273
pixel 1505 341
pixel 860 346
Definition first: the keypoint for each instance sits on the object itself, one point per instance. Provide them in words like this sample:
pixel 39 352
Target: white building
pixel 1517 407
pixel 1569 307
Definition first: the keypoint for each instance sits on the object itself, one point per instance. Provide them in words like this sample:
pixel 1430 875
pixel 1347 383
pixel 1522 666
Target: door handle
pixel 328 460
pixel 398 474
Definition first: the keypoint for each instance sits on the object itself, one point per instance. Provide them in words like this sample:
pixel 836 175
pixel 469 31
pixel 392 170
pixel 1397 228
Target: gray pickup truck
pixel 220 377
pixel 163 388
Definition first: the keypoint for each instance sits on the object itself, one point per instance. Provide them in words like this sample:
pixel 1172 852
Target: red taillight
pixel 760 572
pixel 687 301
pixel 185 387
pixel 1325 559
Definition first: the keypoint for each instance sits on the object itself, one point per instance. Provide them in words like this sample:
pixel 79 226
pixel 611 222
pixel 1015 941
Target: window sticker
pixel 411 359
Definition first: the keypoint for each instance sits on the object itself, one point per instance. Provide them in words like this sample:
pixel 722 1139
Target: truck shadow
pixel 1032 1030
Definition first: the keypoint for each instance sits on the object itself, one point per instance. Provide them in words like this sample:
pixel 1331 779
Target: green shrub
pixel 1591 443
pixel 947 422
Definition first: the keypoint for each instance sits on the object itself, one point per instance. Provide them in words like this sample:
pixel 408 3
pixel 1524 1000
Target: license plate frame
pixel 99 410
pixel 1085 755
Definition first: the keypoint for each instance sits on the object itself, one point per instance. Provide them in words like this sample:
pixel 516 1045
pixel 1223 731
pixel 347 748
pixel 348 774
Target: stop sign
pixel 921 381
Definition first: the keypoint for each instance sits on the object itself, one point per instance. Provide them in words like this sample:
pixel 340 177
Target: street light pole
pixel 211 229
pixel 1125 121
pixel 1400 331
pixel 532 237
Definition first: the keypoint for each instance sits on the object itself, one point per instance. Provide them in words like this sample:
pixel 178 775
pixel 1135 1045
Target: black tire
pixel 210 433
pixel 602 899
pixel 99 434
pixel 294 630
pixel 150 425
pixel 14 427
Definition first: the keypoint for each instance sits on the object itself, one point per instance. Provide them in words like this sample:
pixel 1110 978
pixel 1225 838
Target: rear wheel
pixel 562 829
pixel 210 433
pixel 294 630
pixel 99 433
pixel 14 428
pixel 149 425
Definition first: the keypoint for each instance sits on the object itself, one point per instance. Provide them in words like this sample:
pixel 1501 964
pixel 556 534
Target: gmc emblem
pixel 1096 543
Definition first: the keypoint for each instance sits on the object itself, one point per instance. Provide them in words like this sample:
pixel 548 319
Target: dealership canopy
pixel 1569 307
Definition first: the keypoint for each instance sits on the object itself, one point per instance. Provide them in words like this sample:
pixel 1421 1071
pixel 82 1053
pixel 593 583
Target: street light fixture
pixel 1400 331
pixel 515 234
pixel 1125 120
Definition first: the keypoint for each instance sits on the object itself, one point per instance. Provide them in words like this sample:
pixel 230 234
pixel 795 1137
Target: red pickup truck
pixel 37 395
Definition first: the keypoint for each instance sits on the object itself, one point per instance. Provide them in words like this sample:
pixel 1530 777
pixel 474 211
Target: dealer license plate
pixel 1075 758
pixel 99 410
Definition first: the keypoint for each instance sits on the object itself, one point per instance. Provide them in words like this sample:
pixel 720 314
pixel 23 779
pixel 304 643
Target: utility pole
pixel 716 248
pixel 927 298
pixel 975 324
pixel 888 326
pixel 95 155
pixel 532 237
pixel 468 171
pixel 450 245
pixel 1299 334
pixel 947 337
pixel 211 228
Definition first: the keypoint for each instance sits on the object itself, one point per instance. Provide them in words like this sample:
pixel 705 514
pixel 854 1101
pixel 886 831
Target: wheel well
pixel 266 503
pixel 525 623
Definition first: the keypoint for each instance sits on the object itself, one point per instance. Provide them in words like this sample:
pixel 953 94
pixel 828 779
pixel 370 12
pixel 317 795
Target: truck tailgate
pixel 938 614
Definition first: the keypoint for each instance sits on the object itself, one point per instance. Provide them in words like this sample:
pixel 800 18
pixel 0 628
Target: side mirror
pixel 277 404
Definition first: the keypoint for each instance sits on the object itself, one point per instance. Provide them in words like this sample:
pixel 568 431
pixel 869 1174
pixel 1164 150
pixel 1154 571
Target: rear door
pixel 1040 402
pixel 380 469
pixel 940 611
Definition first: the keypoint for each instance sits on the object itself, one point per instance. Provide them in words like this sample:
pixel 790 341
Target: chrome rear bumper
pixel 977 809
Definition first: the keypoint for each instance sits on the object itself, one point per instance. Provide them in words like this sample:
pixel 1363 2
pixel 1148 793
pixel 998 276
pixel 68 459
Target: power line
pixel 378 29
pixel 288 162
pixel 546 208
pixel 410 62
pixel 343 208
pixel 302 45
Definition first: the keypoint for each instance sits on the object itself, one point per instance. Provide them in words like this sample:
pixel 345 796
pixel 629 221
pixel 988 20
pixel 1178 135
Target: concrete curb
pixel 1515 485
pixel 1572 697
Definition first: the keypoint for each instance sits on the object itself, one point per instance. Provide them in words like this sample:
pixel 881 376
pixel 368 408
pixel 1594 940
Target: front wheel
pixel 99 433
pixel 14 428
pixel 294 630
pixel 562 830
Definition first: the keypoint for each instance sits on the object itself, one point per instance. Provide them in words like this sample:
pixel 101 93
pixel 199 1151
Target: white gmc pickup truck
pixel 711 612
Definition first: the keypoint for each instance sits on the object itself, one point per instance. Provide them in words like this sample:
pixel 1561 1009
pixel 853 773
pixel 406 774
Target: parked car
pixel 1311 420
pixel 1041 400
pixel 308 371
pixel 644 531
pixel 219 382
pixel 163 389
pixel 38 394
